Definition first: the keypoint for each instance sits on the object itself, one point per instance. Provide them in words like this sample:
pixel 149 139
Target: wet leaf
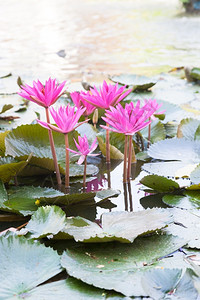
pixel 115 266
pixel 28 264
pixel 159 183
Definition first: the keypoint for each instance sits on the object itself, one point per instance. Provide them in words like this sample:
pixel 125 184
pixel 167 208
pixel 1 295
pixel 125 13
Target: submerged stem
pixel 58 177
pixel 125 159
pixel 67 161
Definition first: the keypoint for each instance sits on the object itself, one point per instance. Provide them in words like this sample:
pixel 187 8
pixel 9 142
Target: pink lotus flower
pixel 83 148
pixel 152 105
pixel 66 119
pixel 80 102
pixel 44 95
pixel 109 95
pixel 128 120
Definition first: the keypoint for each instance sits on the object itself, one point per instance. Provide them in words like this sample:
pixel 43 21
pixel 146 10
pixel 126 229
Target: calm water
pixel 96 36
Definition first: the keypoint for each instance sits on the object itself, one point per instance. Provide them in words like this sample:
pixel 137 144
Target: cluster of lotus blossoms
pixel 127 120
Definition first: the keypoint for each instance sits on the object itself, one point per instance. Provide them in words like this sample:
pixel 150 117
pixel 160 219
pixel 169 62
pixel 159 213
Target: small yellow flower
pixel 37 202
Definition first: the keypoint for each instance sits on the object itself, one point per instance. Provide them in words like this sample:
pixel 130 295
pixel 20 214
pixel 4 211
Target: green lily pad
pixel 46 220
pixel 195 73
pixel 138 82
pixel 169 284
pixel 119 226
pixel 159 183
pixel 25 200
pixel 5 108
pixel 28 264
pixel 187 128
pixel 176 149
pixel 2 142
pixel 118 266
pixel 72 289
pixel 188 200
pixel 10 167
pixel 26 139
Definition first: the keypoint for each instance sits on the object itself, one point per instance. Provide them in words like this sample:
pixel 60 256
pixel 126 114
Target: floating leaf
pixel 187 128
pixel 9 167
pixel 72 289
pixel 186 226
pixel 28 264
pixel 2 142
pixel 138 82
pixel 195 73
pixel 159 183
pixel 120 226
pixel 176 149
pixel 46 220
pixel 188 200
pixel 115 266
pixel 26 139
pixel 5 108
pixel 170 169
pixel 23 200
pixel 169 284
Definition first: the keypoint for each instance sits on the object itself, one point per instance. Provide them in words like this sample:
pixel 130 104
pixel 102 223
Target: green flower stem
pixel 125 159
pixel 67 162
pixel 84 173
pixel 58 177
pixel 107 145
